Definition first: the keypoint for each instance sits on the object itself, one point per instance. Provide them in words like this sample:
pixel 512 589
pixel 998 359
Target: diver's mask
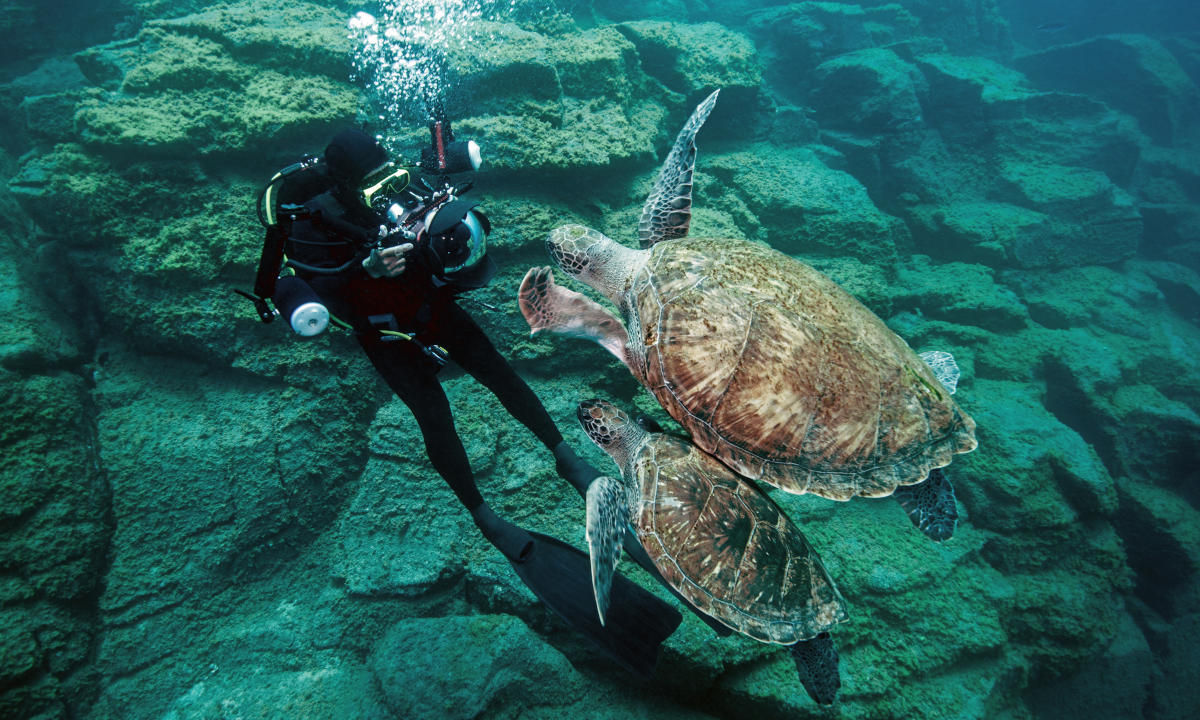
pixel 384 181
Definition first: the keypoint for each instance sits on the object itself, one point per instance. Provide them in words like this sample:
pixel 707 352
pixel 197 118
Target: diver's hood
pixel 352 154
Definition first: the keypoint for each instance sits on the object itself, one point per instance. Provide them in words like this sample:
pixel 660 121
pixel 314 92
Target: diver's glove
pixel 574 470
pixel 373 264
pixel 387 262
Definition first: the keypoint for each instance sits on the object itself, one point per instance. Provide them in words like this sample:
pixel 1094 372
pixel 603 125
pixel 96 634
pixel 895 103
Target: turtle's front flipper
pixel 547 305
pixel 667 213
pixel 817 663
pixel 607 516
pixel 930 505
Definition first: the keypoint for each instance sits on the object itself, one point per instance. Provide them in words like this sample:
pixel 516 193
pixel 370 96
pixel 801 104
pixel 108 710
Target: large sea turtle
pixel 769 365
pixel 716 538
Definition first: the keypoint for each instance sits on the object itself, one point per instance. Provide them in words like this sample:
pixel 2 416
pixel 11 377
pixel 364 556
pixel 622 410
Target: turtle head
pixel 611 428
pixel 592 257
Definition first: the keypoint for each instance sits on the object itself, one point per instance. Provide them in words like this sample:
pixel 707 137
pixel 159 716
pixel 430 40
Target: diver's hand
pixel 388 262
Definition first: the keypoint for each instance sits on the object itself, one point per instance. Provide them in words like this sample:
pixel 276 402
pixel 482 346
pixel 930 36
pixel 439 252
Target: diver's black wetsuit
pixel 412 376
pixel 415 304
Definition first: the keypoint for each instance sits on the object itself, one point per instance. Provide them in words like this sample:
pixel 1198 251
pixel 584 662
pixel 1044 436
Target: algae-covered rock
pixel 336 690
pixel 802 205
pixel 402 531
pixel 695 59
pixel 476 661
pixel 1043 128
pixel 580 100
pixel 868 91
pixel 39 335
pixel 54 538
pixel 1169 206
pixel 799 36
pixel 302 36
pixel 227 463
pixel 960 293
pixel 1031 470
pixel 989 232
pixel 1162 535
pixel 536 102
pixel 70 193
pixel 1117 684
pixel 961 88
pixel 1100 221
pixel 227 79
pixel 1089 295
pixel 1133 73
pixel 1154 437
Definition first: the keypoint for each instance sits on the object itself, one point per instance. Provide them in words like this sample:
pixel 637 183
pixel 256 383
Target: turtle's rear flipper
pixel 930 505
pixel 817 663
pixel 561 577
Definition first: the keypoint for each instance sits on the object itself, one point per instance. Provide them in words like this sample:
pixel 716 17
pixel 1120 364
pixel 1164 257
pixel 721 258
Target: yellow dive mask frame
pixel 384 180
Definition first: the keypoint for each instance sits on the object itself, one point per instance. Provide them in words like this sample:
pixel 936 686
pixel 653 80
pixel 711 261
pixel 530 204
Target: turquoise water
pixel 208 517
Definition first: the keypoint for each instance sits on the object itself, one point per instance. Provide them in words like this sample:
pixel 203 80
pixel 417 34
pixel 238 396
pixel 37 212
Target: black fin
pixel 561 576
pixel 636 623
pixel 930 505
pixel 817 663
pixel 574 469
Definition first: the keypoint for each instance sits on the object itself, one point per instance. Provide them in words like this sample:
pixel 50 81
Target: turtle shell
pixel 728 548
pixel 784 376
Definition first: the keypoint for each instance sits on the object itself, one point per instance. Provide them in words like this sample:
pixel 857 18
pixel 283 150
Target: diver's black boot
pixel 573 469
pixel 513 542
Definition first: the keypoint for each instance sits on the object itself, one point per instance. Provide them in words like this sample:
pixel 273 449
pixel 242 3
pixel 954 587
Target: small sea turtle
pixel 716 538
pixel 769 365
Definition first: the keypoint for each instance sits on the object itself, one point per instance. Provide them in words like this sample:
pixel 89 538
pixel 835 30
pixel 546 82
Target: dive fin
pixel 560 575
pixel 636 623
pixel 607 518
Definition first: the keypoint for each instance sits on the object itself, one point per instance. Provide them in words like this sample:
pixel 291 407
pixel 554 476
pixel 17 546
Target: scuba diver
pixel 390 267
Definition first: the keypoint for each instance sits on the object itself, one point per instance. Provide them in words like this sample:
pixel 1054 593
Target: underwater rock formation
pixel 203 515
